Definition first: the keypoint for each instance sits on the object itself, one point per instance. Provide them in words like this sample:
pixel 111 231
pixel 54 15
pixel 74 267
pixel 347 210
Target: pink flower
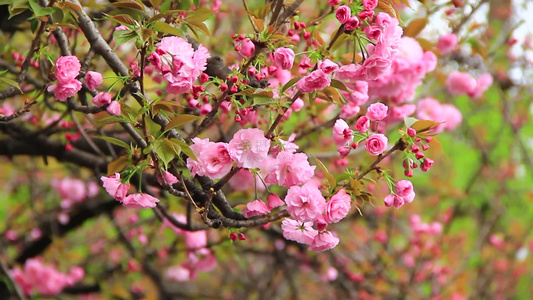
pixel 65 90
pixel 383 19
pixel 274 201
pixel 178 273
pixel 376 143
pixel 377 111
pixel 291 169
pixel 93 80
pixel 359 96
pixel 404 189
pixel 71 190
pixel 297 105
pixel 316 80
pixel 247 47
pixel 352 23
pixel 195 239
pixel 447 43
pixel 300 232
pixel 376 67
pixel 363 124
pixel 305 203
pixel 67 68
pixel 351 73
pixel 113 108
pixel 324 241
pixel 370 4
pixel 201 260
pixel 342 134
pixel 140 201
pixel 169 177
pixel 459 83
pixel 338 207
pixel 349 110
pixel 482 84
pixel 327 66
pixel 249 147
pixel 255 208
pixel 343 13
pixel 431 109
pixel 178 63
pixel 102 99
pixel 213 161
pixel 114 187
pixel 284 58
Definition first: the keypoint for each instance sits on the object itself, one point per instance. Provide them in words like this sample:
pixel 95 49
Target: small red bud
pixel 296 25
pixel 408 173
pixel 307 35
pixel 68 147
pixel 425 147
pixel 204 78
pixel 233 236
pixel 238 118
pixel 419 155
pixel 353 145
pixel 234 78
pixel 234 89
pixel 411 132
pixel 418 140
pixel 303 25
pixel 414 148
pixel 223 87
pixel 428 139
pixel 241 236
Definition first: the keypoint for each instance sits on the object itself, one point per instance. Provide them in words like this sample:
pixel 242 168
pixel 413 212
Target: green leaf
pixel 165 151
pixel 290 83
pixel 114 141
pixel 409 121
pixel 38 10
pixel 327 174
pixel 165 28
pixel 199 15
pixel 164 14
pixel 184 148
pixel 339 85
pixel 128 4
pixel 182 120
pixel 9 82
pixel 123 36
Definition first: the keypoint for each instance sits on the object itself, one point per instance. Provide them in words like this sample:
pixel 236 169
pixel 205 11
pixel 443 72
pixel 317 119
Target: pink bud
pixel 425 147
pixel 233 236
pixel 419 155
pixel 241 236
pixel 411 132
pixel 414 148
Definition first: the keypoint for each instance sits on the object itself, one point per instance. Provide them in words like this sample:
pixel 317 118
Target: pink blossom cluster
pixel 199 258
pixel 386 33
pixel 431 109
pixel 307 206
pixel 404 193
pixel 375 143
pixel 74 190
pixel 415 154
pixel 409 65
pixel 459 83
pixel 424 242
pixel 178 63
pixel 249 149
pixel 44 279
pixel 67 69
pixel 118 190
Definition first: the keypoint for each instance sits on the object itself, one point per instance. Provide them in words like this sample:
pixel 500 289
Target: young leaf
pixel 424 125
pixel 290 83
pixel 339 85
pixel 327 174
pixel 165 28
pixel 409 121
pixel 182 120
pixel 117 165
pixel 184 148
pixel 114 141
pixel 164 151
pixel 415 27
